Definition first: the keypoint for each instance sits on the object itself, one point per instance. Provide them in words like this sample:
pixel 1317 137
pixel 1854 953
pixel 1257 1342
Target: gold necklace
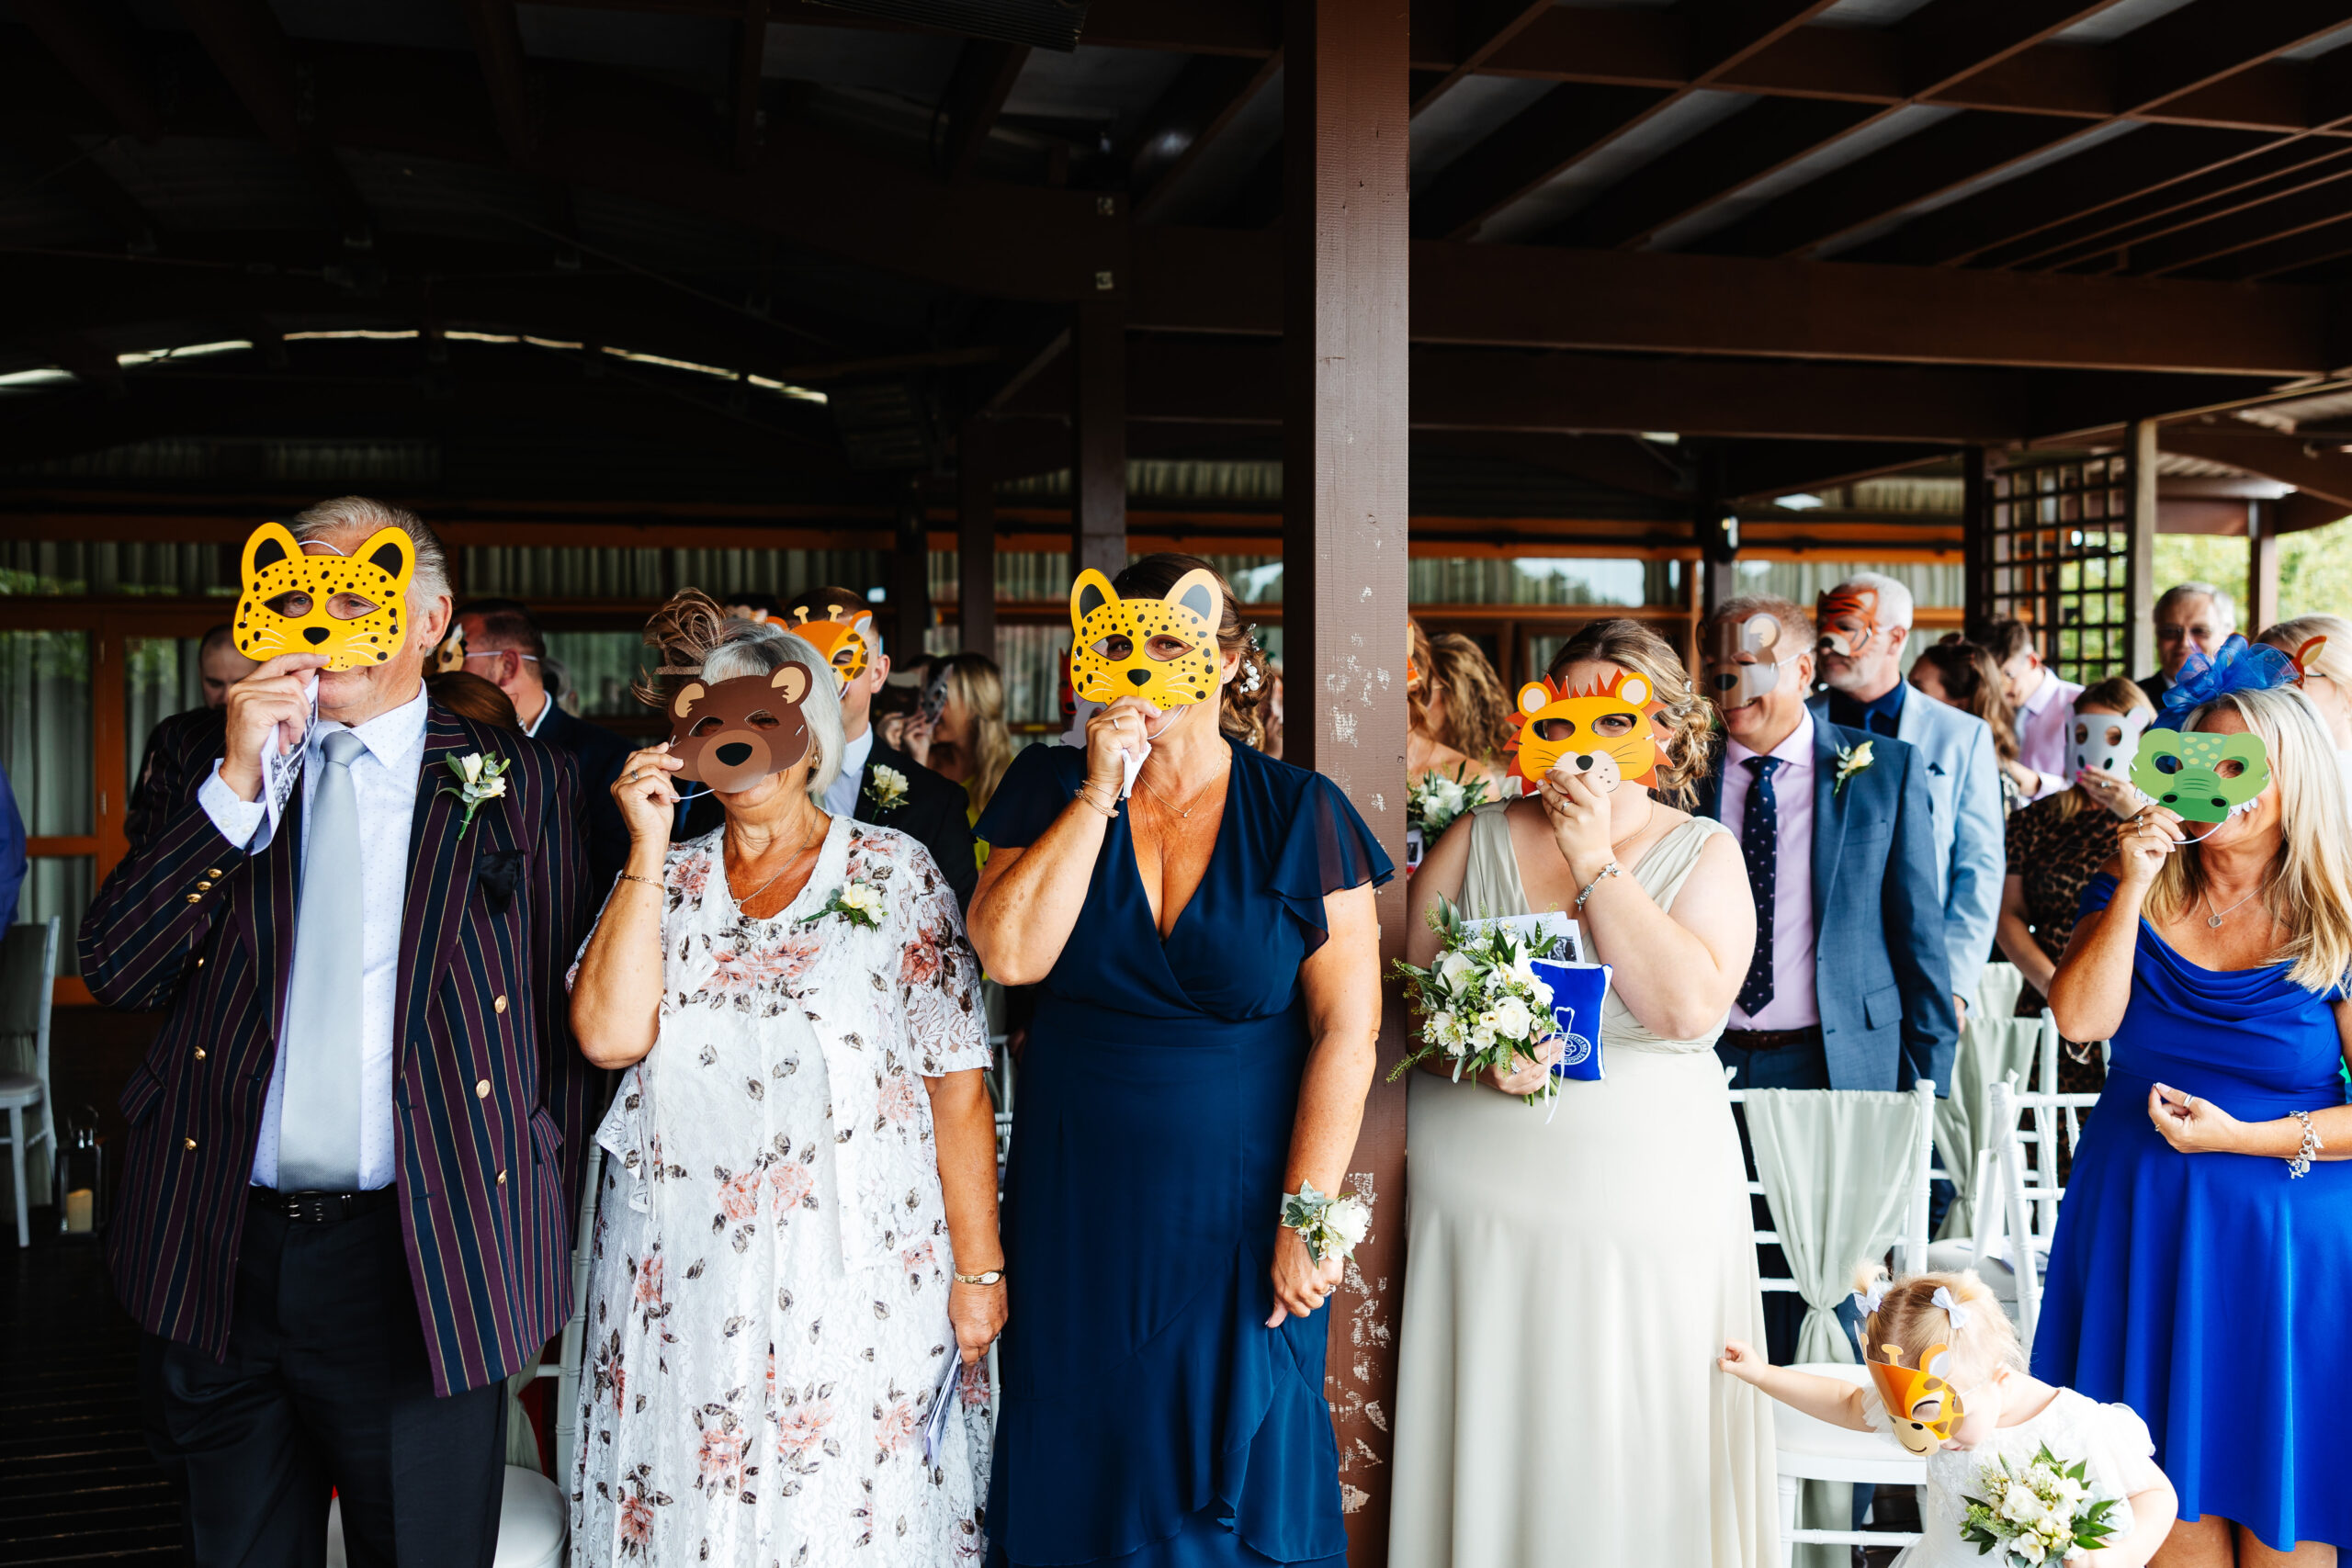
pixel 744 902
pixel 1185 813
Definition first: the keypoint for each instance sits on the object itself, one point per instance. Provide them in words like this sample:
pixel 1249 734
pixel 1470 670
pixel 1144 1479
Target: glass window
pixel 598 668
pixel 1562 580
pixel 46 749
pixel 106 567
pixel 160 679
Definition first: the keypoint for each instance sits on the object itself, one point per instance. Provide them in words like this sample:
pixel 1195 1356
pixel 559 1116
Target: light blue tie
pixel 318 1139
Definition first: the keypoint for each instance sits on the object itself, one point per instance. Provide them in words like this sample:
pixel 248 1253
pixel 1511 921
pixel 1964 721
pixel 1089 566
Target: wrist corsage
pixel 1330 1226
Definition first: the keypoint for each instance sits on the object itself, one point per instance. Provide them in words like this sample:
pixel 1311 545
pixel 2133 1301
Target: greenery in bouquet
pixel 1480 1001
pixel 1434 800
pixel 2042 1512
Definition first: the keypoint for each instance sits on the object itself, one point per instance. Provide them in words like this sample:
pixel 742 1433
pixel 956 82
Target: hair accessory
pixel 2303 655
pixel 1247 682
pixel 1952 1308
pixel 2237 666
pixel 1869 1302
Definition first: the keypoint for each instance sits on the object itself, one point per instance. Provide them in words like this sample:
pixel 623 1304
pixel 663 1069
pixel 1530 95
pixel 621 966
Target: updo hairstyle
pixel 1241 705
pixel 1684 721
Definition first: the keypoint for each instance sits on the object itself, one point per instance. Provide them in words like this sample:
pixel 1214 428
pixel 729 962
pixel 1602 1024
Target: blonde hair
pixel 1685 722
pixel 1908 1318
pixel 973 681
pixel 1478 712
pixel 2123 695
pixel 2335 660
pixel 2308 888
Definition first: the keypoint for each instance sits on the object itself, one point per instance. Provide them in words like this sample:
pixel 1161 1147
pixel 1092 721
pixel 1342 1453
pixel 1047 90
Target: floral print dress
pixel 767 1309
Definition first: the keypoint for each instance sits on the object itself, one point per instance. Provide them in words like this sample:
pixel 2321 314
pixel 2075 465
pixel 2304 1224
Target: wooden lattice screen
pixel 2049 544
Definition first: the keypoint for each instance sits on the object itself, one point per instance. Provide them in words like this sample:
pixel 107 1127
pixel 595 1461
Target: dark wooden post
pixel 1976 550
pixel 1098 471
pixel 976 538
pixel 911 573
pixel 2143 568
pixel 1345 110
pixel 2261 565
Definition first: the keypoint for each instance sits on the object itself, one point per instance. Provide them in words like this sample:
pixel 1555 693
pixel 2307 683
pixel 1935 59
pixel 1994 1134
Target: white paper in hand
pixel 1130 764
pixel 943 1400
pixel 281 772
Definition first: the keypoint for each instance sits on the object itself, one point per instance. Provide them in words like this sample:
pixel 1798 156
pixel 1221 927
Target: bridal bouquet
pixel 1433 800
pixel 2040 1513
pixel 1479 1002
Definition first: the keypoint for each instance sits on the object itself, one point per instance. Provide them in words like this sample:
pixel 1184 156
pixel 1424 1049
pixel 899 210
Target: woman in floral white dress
pixel 799 1160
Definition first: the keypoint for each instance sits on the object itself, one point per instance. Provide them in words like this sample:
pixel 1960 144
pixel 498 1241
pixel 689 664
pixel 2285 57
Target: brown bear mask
pixel 734 733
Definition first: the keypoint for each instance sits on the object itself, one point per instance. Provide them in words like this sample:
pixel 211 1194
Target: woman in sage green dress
pixel 1572 1271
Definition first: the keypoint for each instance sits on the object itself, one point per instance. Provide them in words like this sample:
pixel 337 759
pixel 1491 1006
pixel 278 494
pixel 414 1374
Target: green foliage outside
pixel 2315 567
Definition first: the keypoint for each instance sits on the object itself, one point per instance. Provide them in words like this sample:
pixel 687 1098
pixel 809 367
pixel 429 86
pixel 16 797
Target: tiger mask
pixel 1163 651
pixel 291 600
pixel 1603 732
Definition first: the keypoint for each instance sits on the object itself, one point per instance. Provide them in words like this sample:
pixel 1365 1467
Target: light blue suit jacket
pixel 1964 791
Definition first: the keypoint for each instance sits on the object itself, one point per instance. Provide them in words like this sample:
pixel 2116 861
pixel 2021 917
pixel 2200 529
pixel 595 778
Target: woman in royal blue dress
pixel 2202 1265
pixel 1206 958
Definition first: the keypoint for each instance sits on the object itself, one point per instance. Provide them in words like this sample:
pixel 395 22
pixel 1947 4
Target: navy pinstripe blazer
pixel 490 1098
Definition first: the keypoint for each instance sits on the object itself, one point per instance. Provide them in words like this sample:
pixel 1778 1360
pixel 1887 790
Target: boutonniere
pixel 480 778
pixel 886 789
pixel 1851 759
pixel 856 902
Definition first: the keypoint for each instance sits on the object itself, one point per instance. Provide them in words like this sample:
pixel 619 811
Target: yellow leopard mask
pixel 1602 731
pixel 284 606
pixel 1163 651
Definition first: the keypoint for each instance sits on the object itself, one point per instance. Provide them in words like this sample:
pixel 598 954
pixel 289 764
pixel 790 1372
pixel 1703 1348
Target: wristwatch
pixel 985 1277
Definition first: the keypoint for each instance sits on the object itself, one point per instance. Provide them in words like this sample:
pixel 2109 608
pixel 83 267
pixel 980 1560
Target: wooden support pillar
pixel 976 538
pixel 2143 437
pixel 2261 565
pixel 1976 547
pixel 1345 262
pixel 909 575
pixel 1098 470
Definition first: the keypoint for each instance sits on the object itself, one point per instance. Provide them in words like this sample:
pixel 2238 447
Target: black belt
pixel 1772 1039
pixel 321 1208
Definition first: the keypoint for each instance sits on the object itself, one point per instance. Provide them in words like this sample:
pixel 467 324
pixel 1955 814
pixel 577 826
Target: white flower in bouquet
pixel 1510 1016
pixel 2042 1512
pixel 1435 800
pixel 1458 974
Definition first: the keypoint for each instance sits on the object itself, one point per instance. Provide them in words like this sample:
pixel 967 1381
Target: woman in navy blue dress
pixel 1206 959
pixel 2200 1272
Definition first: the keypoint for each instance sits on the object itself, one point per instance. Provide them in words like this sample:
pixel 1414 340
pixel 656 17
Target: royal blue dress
pixel 2208 1291
pixel 1149 1416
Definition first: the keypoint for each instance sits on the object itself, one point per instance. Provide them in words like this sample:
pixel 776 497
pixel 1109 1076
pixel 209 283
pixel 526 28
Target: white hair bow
pixel 1869 1302
pixel 1952 1308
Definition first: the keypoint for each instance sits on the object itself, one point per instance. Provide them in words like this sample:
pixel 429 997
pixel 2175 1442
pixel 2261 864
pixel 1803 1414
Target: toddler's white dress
pixel 2076 1426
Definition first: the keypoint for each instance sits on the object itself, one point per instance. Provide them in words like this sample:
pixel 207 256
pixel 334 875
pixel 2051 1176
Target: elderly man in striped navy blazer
pixel 344 1217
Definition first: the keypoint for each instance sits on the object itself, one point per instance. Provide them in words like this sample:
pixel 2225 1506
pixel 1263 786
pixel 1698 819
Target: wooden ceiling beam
pixel 1481 27
pixel 745 75
pixel 2205 231
pixel 2208 40
pixel 75 32
pixel 1949 42
pixel 2314 470
pixel 985 73
pixel 498 45
pixel 1964 148
pixel 1525 296
pixel 1560 128
pixel 63 168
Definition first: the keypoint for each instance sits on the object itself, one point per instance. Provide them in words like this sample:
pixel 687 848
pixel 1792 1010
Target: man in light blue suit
pixel 1849 986
pixel 1865 622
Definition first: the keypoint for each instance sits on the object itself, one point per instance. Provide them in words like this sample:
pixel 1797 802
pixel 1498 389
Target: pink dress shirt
pixel 1793 1003
pixel 2045 721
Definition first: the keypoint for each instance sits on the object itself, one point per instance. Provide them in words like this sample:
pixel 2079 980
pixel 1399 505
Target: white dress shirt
pixel 841 796
pixel 2045 722
pixel 384 780
pixel 1796 1001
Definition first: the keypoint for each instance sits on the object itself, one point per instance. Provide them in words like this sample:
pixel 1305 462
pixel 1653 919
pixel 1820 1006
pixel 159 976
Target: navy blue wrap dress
pixel 1149 1417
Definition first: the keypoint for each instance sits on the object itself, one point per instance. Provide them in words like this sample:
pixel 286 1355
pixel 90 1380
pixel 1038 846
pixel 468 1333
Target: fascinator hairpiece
pixel 2237 666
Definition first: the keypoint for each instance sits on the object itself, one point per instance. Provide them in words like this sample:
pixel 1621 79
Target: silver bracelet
pixel 1585 891
pixel 2302 1164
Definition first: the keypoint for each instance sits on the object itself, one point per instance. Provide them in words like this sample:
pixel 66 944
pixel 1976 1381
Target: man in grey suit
pixel 1865 622
pixel 1849 986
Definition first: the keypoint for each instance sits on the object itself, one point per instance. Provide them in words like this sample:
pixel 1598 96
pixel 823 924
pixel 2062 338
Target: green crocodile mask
pixel 2202 777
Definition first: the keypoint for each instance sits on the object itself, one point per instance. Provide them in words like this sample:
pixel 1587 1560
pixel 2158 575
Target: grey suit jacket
pixel 1881 976
pixel 1972 855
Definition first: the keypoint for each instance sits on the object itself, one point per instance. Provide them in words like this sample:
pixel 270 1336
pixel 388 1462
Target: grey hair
pixel 764 649
pixel 1895 607
pixel 2225 609
pixel 362 516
